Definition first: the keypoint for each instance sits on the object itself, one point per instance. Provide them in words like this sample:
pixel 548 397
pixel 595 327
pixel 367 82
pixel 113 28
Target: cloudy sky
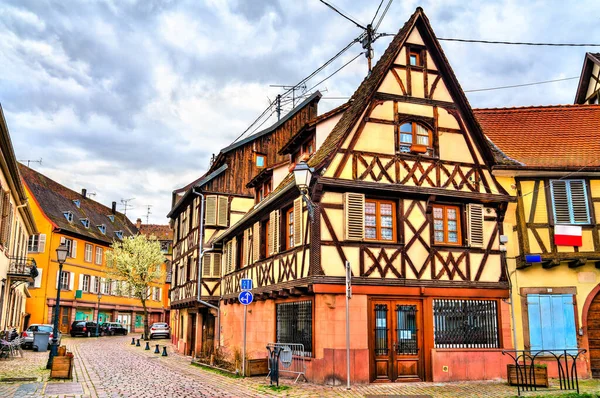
pixel 129 98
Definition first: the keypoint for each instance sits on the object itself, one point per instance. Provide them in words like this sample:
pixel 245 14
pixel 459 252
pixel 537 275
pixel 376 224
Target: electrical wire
pixel 521 43
pixel 521 85
pixel 383 15
pixel 336 71
pixel 377 12
pixel 342 14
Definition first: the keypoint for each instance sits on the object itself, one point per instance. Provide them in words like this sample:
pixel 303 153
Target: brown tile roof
pixel 365 92
pixel 545 136
pixel 55 199
pixel 162 232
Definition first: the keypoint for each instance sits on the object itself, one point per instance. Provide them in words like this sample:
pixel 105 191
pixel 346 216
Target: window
pixel 465 324
pixel 64 280
pixel 380 220
pixel 86 283
pixel 156 294
pixel 98 255
pixel 446 224
pixel 264 247
pixel 111 217
pixel 260 160
pixel 551 322
pixel 85 222
pixel 106 283
pixel 289 228
pixel 68 215
pixel 305 150
pixel 36 243
pixel 415 58
pixel 414 137
pixel 88 253
pixel 77 203
pixel 164 246
pixel 119 234
pixel 96 285
pixel 71 246
pixel 102 228
pixel 294 324
pixel 570 202
pixel 263 190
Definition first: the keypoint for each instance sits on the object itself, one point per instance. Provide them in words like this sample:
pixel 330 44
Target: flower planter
pixel 257 367
pixel 62 367
pixel 540 375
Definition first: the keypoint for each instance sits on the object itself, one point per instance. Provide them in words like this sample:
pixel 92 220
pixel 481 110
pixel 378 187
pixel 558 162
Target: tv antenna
pixel 126 205
pixel 148 212
pixel 90 194
pixel 31 161
pixel 369 34
pixel 301 88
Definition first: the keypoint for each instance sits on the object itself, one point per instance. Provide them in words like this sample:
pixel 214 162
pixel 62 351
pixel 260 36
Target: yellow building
pixel 87 228
pixel 16 225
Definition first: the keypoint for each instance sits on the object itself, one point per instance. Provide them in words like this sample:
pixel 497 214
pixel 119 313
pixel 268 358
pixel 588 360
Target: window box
pixel 539 375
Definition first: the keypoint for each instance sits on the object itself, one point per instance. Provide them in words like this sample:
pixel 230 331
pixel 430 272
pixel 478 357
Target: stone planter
pixel 540 373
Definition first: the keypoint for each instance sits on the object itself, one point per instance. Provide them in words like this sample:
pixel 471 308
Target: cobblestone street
pixel 111 367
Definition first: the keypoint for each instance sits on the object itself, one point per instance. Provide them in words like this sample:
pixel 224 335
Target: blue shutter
pixel 557 317
pixel 569 316
pixel 547 315
pixel 535 322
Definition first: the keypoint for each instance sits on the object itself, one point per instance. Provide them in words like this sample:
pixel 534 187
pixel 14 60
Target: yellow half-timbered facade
pixel 402 190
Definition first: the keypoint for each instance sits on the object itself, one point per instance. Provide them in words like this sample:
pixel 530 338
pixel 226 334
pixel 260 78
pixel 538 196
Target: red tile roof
pixel 545 136
pixel 162 232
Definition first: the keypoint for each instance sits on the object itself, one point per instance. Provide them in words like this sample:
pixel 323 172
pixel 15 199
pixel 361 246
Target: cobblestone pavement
pixel 109 367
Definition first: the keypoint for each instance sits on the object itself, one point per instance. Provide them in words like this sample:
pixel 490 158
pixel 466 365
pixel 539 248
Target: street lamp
pixel 303 175
pixel 98 314
pixel 61 255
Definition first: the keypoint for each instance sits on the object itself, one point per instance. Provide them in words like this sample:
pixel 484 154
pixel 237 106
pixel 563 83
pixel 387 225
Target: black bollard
pixel 147 346
pixel 138 343
pixel 164 354
pixel 133 341
pixel 142 338
pixel 157 351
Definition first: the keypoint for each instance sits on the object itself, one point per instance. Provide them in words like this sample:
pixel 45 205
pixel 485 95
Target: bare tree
pixel 137 261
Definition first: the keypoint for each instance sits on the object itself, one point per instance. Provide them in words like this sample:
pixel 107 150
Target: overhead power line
pixel 521 85
pixel 336 71
pixel 522 43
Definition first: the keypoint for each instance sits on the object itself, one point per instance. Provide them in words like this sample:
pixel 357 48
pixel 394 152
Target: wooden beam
pixel 414 100
pixel 548 264
pixel 577 262
pixel 283 293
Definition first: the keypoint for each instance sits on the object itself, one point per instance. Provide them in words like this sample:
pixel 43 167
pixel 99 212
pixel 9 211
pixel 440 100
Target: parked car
pixel 27 335
pixel 112 328
pixel 83 328
pixel 160 329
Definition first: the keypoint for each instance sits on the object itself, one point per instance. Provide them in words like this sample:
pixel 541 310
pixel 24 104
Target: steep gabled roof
pixel 586 73
pixel 545 136
pixel 366 91
pixel 54 199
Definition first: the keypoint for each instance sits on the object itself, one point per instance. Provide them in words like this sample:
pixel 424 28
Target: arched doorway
pixel 593 332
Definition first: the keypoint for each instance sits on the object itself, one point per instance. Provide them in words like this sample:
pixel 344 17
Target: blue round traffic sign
pixel 245 297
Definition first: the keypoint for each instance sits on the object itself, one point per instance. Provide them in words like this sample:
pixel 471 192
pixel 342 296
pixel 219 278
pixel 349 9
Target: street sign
pixel 533 258
pixel 246 284
pixel 246 297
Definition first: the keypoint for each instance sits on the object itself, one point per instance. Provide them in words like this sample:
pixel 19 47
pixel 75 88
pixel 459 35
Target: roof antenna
pixel 31 161
pixel 301 88
pixel 148 212
pixel 126 205
pixel 369 34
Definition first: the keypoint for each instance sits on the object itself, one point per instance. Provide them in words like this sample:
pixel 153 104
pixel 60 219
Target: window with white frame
pixel 106 286
pixel 36 243
pixel 88 252
pixel 71 245
pixel 98 255
pixel 86 283
pixel 64 280
pixel 96 284
pixel 156 294
pixel 68 215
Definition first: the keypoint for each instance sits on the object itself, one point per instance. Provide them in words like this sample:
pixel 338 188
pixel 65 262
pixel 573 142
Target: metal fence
pixel 291 359
pixel 465 324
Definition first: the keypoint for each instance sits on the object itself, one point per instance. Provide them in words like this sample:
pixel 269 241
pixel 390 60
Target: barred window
pixel 465 324
pixel 294 324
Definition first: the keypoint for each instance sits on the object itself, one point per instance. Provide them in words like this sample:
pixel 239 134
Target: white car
pixel 36 327
pixel 160 329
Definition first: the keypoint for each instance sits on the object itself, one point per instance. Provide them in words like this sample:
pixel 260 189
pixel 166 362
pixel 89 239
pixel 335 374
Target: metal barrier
pixel 291 359
pixel 525 367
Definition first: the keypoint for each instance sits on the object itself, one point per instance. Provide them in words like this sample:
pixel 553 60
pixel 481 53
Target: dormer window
pixel 119 234
pixel 264 190
pixel 77 203
pixel 111 218
pixel 415 138
pixel 305 150
pixel 85 222
pixel 68 215
pixel 102 228
pixel 260 160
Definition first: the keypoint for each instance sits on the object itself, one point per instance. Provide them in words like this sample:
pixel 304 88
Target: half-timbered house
pixel 588 91
pixel 402 189
pixel 548 158
pixel 206 207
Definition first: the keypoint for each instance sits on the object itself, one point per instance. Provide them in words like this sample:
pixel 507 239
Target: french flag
pixel 567 235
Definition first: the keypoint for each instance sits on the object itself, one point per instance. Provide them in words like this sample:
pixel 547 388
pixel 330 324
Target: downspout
pixel 201 253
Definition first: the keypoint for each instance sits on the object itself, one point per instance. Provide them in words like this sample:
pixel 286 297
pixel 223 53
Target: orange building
pixel 87 228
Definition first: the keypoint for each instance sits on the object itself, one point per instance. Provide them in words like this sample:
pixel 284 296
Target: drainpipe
pixel 201 253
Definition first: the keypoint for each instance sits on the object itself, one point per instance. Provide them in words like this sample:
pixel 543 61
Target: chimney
pixel 138 223
pixel 83 192
pixel 114 207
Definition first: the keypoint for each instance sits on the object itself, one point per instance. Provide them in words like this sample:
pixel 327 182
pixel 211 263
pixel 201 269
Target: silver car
pixel 37 327
pixel 160 329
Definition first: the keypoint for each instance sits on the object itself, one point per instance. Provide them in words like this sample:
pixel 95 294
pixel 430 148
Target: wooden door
pixel 64 319
pixel 593 329
pixel 396 341
pixel 192 335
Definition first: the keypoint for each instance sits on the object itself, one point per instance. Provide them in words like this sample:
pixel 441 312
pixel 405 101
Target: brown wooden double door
pixel 396 345
pixel 593 329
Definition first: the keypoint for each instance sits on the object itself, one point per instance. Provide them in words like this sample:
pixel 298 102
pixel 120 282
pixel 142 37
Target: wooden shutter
pixel 560 202
pixel 246 247
pixel 216 265
pixel 93 284
pixel 74 248
pixel 37 282
pixel 233 261
pixel 551 321
pixel 80 285
pixel 206 260
pixel 71 280
pixel 579 202
pixel 211 210
pixel 475 225
pixel 9 225
pixel 256 242
pixel 298 217
pixel 354 216
pixel 274 232
pixel 5 212
pixel 57 278
pixel 42 243
pixel 223 211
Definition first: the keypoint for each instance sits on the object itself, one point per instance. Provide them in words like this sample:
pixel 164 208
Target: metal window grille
pixel 465 324
pixel 294 324
pixel 406 330
pixel 381 329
